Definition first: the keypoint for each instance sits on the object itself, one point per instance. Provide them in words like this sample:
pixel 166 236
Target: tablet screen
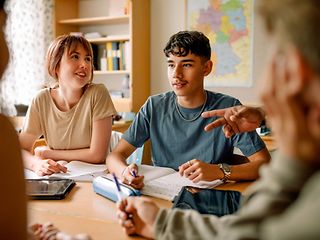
pixel 49 188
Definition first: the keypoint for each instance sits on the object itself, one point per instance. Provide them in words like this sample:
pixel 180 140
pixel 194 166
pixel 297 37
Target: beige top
pixel 71 129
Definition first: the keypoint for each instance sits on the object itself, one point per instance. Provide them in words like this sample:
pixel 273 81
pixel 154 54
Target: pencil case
pixel 107 188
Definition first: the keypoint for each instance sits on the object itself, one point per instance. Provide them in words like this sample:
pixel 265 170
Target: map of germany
pixel 228 25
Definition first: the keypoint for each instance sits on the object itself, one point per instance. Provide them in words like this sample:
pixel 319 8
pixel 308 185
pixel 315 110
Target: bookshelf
pixel 115 24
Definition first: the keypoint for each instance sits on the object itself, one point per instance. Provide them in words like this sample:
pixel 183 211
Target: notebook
pixel 165 183
pixel 77 170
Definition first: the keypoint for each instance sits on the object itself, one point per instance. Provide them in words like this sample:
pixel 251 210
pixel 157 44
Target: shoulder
pixel 41 96
pixel 162 98
pixel 97 92
pixel 222 100
pixel 42 93
pixel 96 88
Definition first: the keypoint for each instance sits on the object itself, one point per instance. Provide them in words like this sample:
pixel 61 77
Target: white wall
pixel 167 18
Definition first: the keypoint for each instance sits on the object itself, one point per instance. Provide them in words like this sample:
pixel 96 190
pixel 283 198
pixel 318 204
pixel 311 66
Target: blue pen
pixel 133 173
pixel 119 193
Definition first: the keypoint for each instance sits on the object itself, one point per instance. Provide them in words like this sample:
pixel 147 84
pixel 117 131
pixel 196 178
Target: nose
pixel 84 64
pixel 177 72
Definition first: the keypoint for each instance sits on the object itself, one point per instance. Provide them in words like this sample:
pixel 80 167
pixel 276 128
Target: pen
pixel 133 173
pixel 118 187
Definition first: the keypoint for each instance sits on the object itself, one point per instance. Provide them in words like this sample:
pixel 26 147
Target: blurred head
pixel 3 45
pixel 293 27
pixel 295 22
pixel 185 42
pixel 62 44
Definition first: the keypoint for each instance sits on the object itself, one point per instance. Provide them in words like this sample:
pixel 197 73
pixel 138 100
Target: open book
pixel 77 170
pixel 165 183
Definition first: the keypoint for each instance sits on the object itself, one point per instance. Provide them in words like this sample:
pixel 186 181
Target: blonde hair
pixel 296 22
pixel 59 46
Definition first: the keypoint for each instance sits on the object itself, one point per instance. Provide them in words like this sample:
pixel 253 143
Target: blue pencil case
pixel 107 188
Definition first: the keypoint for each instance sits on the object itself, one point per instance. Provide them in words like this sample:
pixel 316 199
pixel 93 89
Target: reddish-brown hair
pixel 59 46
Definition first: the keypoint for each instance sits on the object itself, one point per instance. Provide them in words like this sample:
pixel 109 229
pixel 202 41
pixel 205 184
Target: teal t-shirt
pixel 175 141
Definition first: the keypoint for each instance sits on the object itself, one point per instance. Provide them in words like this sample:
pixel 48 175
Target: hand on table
pixel 44 167
pixel 48 231
pixel 197 170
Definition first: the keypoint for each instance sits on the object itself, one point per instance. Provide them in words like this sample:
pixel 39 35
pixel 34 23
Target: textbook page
pixel 77 170
pixel 166 183
pixel 152 172
pixel 168 186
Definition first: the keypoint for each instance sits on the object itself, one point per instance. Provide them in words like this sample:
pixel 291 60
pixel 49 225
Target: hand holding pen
pixel 131 177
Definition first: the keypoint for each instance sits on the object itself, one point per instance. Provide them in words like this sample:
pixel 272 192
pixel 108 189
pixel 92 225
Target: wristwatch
pixel 226 169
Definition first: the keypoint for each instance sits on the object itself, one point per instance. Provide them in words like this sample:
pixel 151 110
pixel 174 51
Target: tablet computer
pixel 49 188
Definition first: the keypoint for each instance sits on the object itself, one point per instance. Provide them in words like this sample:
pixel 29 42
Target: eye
pixel 74 56
pixel 187 65
pixel 170 65
pixel 88 59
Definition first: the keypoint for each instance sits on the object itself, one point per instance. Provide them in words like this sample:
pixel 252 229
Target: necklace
pixel 197 116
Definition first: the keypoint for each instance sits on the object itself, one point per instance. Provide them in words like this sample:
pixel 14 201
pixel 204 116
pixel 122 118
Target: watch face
pixel 226 168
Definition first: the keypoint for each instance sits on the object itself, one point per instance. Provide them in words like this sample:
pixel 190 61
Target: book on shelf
pixel 77 170
pixel 115 56
pixel 126 56
pixel 160 182
pixel 109 56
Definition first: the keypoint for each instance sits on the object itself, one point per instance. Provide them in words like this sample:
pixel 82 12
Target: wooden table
pixel 84 211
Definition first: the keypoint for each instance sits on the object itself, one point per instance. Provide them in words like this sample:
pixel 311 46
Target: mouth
pixel 179 85
pixel 81 74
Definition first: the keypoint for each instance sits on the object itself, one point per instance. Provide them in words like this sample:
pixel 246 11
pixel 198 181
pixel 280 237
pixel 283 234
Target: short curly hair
pixel 185 42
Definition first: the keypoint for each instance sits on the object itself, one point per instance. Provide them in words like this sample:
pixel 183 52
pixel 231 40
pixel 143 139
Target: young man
pixel 173 123
pixel 283 203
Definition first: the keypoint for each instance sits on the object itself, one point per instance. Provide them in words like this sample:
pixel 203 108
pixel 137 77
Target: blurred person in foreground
pixel 13 203
pixel 283 203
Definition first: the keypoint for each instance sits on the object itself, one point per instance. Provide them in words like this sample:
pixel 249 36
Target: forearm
pixel 116 163
pixel 186 224
pixel 247 168
pixel 86 155
pixel 246 171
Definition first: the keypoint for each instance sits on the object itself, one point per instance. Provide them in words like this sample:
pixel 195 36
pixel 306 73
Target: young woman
pixel 74 117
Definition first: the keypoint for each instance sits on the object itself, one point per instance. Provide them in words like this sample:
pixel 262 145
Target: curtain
pixel 29 31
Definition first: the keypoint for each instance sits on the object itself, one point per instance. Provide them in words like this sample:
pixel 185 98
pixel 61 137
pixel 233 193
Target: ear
pixel 207 68
pixel 298 70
